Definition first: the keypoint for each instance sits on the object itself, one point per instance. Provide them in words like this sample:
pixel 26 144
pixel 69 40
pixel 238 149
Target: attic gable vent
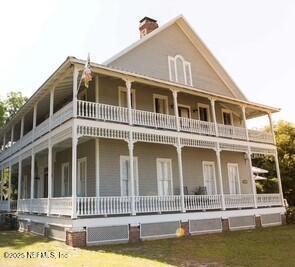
pixel 180 70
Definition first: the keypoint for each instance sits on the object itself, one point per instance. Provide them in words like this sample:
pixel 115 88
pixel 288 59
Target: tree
pixel 285 138
pixel 9 106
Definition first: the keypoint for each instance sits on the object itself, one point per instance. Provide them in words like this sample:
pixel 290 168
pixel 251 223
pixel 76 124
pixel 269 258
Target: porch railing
pixel 202 202
pixel 103 205
pixel 197 126
pixel 232 131
pixel 62 115
pixel 239 201
pixel 100 111
pixel 268 200
pixel 4 205
pixel 152 119
pixel 145 204
pixel 61 206
pixel 42 129
pixel 260 136
pixel 117 205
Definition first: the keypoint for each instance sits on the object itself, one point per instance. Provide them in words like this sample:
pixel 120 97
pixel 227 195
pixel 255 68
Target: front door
pixel 82 174
pixel 164 175
pixel 209 177
pixel 233 178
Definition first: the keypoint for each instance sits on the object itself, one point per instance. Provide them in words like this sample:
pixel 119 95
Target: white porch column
pixel 22 124
pixel 74 170
pixel 4 140
pixel 1 185
pixel 220 180
pixel 180 173
pixel 175 106
pixel 51 106
pixel 128 86
pixel 19 184
pixel 96 88
pixel 49 186
pixel 75 90
pixel 271 127
pixel 131 167
pixel 12 135
pixel 212 101
pixel 245 121
pixel 32 173
pixel 253 184
pixel 34 119
pixel 279 176
pixel 9 184
pixel 97 166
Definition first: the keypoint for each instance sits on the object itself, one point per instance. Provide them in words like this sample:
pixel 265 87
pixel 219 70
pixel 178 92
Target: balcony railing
pixel 116 205
pixel 98 111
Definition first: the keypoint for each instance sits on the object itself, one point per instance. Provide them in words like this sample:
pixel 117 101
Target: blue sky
pixel 253 40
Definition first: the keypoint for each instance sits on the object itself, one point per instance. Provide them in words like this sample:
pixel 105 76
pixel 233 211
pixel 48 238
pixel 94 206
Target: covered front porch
pixel 104 187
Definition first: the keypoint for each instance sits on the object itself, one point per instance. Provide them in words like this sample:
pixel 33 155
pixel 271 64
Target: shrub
pixel 290 215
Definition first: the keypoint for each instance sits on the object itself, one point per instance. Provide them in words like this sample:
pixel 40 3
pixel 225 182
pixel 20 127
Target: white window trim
pixel 124 89
pixel 62 178
pixel 184 64
pixel 239 184
pixel 135 175
pixel 201 105
pixel 79 185
pixel 158 176
pixel 186 106
pixel 212 163
pixel 161 97
pixel 224 110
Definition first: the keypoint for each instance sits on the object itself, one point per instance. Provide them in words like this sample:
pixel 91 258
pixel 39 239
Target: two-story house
pixel 157 143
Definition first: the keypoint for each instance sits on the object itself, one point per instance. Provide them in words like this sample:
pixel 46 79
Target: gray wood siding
pixel 151 58
pixel 85 149
pixel 109 88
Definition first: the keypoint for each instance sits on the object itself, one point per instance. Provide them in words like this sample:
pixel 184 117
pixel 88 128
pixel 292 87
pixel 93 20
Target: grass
pixel 265 247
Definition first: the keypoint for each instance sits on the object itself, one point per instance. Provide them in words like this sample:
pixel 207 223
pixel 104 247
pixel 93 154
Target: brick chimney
pixel 147 25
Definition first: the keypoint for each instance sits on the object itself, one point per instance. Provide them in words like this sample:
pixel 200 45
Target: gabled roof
pixel 197 42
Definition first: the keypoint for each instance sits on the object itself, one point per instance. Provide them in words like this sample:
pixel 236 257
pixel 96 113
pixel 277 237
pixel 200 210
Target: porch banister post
pixel 51 107
pixel 34 119
pixel 128 86
pixel 22 122
pixel 175 105
pixel 19 186
pixel 75 90
pixel 279 176
pixel 179 159
pixel 4 140
pixel 131 167
pixel 74 170
pixel 32 173
pixel 9 185
pixel 212 101
pixel 12 135
pixel 271 127
pixel 1 185
pixel 49 186
pixel 218 151
pixel 245 122
pixel 252 178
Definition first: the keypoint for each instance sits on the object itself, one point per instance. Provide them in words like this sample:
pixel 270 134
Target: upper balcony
pixel 150 105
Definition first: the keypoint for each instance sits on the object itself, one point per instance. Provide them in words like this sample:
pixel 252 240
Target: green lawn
pixel 266 247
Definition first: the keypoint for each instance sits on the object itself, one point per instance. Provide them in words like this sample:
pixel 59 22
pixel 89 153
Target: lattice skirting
pixel 57 232
pixel 271 219
pixel 241 222
pixel 205 226
pixel 159 230
pixel 107 234
pixel 38 228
